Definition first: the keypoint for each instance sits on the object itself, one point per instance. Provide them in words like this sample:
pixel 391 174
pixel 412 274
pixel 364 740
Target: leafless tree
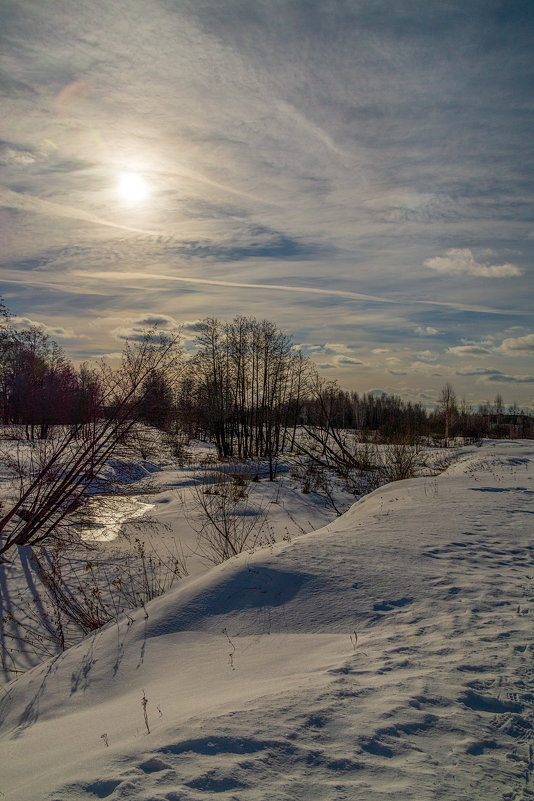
pixel 363 461
pixel 248 382
pixel 448 408
pixel 58 481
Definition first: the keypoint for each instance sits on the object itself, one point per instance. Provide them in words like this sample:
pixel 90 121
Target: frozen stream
pixel 103 516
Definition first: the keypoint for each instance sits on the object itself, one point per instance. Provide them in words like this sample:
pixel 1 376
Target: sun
pixel 132 187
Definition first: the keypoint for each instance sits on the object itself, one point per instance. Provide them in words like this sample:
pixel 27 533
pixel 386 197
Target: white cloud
pixel 315 348
pixel 488 342
pixel 111 356
pixel 469 350
pixel 348 361
pixel 55 332
pixel 426 331
pixel 338 347
pixel 461 260
pixel 525 343
pixel 427 356
pixel 427 368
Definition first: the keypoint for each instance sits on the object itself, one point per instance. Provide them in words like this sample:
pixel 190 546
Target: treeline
pixel 39 387
pixel 246 388
pixel 389 418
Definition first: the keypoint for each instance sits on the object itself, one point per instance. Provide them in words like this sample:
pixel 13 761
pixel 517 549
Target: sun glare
pixel 132 187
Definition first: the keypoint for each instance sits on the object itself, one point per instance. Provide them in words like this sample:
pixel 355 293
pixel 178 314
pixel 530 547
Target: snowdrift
pixel 388 655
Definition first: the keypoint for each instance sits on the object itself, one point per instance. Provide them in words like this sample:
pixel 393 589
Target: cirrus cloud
pixel 459 261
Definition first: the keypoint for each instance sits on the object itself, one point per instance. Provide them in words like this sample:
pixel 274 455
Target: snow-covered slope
pixel 388 655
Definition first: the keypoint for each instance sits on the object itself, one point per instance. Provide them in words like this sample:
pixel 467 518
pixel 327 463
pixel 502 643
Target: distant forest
pixel 246 388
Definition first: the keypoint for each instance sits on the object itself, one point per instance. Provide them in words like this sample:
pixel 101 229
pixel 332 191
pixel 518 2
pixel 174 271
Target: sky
pixel 360 172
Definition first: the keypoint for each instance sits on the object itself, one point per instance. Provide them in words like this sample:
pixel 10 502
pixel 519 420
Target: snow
pixel 387 655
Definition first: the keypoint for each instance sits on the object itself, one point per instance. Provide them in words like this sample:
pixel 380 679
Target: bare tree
pixel 58 481
pixel 249 385
pixel 448 409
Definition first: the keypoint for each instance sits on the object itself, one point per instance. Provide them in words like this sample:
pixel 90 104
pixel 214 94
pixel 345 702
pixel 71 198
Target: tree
pixel 38 384
pixel 58 481
pixel 248 383
pixel 448 409
pixel 157 406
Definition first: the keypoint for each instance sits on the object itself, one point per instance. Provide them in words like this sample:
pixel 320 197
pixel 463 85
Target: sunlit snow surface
pixel 386 656
pixel 103 518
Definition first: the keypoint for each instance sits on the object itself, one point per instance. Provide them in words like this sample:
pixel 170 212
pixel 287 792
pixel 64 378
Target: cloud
pixel 156 320
pixel 55 332
pixel 459 261
pixel 313 349
pixel 257 242
pixel 511 379
pixel 517 344
pixel 134 335
pixel 403 206
pixel 348 361
pixel 29 203
pixel 150 277
pixel 426 367
pixel 122 276
pixel 477 371
pixel 336 349
pixel 488 342
pixel 325 365
pixel 427 356
pixel 469 350
pixel 339 347
pixel 136 330
pixel 427 330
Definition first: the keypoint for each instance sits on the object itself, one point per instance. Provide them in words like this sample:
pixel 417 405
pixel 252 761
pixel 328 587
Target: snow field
pixel 385 656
